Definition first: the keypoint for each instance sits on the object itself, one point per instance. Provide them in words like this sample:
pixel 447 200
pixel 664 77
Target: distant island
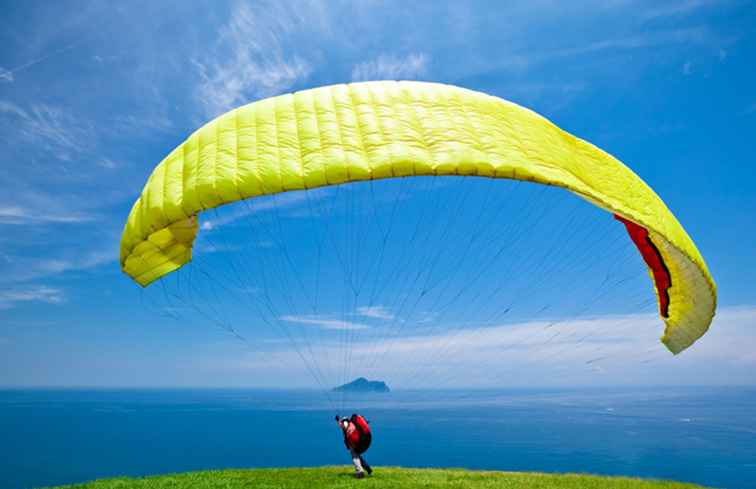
pixel 363 385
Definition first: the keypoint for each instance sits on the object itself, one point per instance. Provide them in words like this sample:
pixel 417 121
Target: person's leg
pixel 365 465
pixel 356 460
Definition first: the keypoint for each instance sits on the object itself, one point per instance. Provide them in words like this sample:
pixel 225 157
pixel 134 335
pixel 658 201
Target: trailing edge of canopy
pixel 374 130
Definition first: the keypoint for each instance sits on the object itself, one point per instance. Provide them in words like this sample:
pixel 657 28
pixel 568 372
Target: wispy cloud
pixel 286 201
pixel 249 61
pixel 12 296
pixel 22 215
pixel 375 312
pixel 47 127
pixel 623 349
pixel 23 269
pixel 688 35
pixel 9 75
pixel 676 9
pixel 212 247
pixel 143 124
pixel 324 322
pixel 107 163
pixel 388 67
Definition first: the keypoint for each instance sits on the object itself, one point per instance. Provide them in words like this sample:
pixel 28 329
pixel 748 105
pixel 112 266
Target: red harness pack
pixel 360 442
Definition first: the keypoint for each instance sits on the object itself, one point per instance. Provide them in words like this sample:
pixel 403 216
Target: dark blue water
pixel 701 435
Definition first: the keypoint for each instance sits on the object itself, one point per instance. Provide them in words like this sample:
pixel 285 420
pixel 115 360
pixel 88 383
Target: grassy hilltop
pixel 384 478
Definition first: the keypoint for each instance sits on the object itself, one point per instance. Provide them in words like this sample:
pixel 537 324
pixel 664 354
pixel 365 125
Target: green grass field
pixel 384 477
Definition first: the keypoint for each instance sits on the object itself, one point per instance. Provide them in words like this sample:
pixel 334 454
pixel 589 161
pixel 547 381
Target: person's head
pixel 345 423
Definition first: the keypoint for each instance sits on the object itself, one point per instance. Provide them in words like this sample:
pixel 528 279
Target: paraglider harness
pixel 359 439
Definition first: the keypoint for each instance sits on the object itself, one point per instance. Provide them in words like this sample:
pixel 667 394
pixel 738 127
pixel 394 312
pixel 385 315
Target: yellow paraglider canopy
pixel 374 130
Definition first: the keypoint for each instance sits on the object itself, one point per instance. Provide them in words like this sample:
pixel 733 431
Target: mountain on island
pixel 363 385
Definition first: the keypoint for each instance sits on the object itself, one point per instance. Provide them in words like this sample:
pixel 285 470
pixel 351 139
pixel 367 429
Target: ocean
pixel 704 435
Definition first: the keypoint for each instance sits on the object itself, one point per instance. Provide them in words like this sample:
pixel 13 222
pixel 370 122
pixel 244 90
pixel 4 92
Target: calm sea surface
pixel 702 435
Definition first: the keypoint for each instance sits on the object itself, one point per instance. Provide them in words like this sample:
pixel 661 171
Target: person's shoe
pixel 359 475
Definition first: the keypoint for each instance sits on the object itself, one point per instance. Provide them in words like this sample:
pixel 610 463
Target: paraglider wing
pixel 374 130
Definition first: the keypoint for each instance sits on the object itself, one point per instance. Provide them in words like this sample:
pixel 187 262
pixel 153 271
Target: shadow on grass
pixel 350 475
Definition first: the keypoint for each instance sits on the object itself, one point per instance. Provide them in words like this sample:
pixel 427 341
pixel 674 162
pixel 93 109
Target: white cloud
pixel 618 350
pixel 12 214
pixel 96 258
pixel 287 201
pixel 8 75
pixel 692 35
pixel 676 9
pixel 107 163
pixel 324 322
pixel 249 61
pixel 5 75
pixel 49 126
pixel 387 67
pixel 375 312
pixel 10 297
pixel 212 247
pixel 142 124
pixel 22 269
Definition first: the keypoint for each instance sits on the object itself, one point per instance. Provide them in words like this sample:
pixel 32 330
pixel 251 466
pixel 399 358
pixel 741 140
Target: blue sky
pixel 92 96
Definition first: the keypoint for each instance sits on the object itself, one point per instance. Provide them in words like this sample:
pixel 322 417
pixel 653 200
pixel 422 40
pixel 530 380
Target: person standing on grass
pixel 357 439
